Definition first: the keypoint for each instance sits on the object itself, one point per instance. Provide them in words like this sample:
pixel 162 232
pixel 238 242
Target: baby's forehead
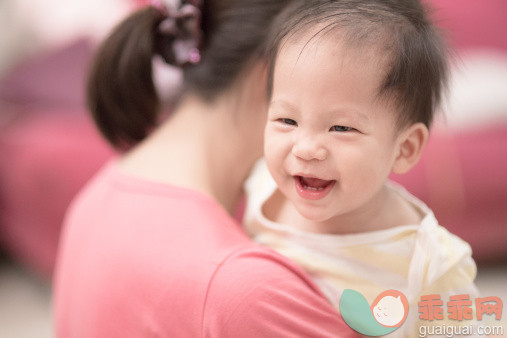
pixel 340 41
pixel 311 47
pixel 332 47
pixel 397 36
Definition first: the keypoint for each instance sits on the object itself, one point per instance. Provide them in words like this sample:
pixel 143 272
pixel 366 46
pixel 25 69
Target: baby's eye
pixel 340 128
pixel 290 122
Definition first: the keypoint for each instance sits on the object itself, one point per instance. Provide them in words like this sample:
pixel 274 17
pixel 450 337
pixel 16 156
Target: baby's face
pixel 330 143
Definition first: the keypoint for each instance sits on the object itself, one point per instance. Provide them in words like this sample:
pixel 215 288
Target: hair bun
pixel 178 35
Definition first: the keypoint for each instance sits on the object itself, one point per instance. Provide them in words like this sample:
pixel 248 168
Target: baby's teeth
pixel 312 188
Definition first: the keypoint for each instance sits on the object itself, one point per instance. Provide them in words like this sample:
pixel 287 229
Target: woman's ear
pixel 410 144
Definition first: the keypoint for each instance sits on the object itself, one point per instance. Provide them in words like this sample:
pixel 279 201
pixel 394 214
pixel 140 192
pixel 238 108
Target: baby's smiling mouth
pixel 313 184
pixel 312 188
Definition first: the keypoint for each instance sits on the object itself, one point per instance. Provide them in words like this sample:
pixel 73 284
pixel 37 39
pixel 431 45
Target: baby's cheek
pixel 275 147
pixel 268 147
pixel 270 139
pixel 270 154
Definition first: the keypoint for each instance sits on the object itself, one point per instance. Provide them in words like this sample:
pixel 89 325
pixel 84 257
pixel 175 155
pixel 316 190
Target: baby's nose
pixel 309 149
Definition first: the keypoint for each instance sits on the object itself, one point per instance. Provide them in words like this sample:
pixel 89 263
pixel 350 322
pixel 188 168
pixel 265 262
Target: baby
pixel 353 90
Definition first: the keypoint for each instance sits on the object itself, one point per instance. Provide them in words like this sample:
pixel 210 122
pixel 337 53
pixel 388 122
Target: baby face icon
pixel 390 308
pixel 385 315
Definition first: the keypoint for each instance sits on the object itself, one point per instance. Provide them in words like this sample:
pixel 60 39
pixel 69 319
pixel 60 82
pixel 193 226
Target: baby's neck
pixel 390 210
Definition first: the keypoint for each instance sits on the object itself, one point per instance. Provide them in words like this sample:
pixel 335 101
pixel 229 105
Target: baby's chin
pixel 314 214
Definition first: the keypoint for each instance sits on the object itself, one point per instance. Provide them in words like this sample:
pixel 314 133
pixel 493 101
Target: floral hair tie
pixel 180 31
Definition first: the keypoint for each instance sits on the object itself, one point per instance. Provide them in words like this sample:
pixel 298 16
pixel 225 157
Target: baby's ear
pixel 410 144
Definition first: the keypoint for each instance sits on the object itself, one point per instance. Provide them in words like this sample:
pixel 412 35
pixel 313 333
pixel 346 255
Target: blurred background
pixel 49 147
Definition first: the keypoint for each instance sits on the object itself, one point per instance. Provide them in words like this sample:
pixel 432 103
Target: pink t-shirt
pixel 145 259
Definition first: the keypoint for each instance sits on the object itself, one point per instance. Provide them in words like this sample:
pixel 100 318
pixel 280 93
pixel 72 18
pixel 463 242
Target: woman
pixel 149 247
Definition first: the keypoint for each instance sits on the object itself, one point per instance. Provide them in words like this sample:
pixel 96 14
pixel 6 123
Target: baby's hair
pixel 417 70
pixel 121 94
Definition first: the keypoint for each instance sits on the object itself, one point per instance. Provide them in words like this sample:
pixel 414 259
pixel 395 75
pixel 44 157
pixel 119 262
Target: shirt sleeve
pixel 262 294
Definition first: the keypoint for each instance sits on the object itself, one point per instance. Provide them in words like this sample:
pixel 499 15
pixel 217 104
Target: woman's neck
pixel 197 148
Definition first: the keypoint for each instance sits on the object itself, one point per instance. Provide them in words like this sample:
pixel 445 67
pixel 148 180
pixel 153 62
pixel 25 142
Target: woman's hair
pixel 400 30
pixel 121 93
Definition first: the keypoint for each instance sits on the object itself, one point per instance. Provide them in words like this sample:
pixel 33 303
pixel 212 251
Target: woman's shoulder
pixel 257 291
pixel 114 191
pixel 247 290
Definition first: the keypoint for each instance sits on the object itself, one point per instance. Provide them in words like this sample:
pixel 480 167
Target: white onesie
pixel 416 259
